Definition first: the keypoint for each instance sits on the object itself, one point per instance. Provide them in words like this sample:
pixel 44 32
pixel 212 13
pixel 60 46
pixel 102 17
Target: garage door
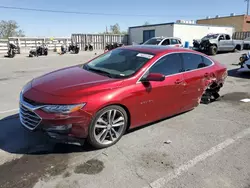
pixel 148 34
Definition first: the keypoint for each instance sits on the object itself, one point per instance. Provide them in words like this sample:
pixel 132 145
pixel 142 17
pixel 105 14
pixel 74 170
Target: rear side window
pixel 174 41
pixel 192 61
pixel 168 65
pixel 228 37
pixel 207 62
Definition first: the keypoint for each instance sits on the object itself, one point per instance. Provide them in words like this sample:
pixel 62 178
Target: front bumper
pixel 70 128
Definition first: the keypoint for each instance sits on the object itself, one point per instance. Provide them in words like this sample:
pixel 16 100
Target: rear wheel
pixel 237 48
pixel 108 126
pixel 213 50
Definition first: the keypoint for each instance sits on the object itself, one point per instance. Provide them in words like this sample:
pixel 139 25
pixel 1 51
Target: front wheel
pixel 213 50
pixel 108 126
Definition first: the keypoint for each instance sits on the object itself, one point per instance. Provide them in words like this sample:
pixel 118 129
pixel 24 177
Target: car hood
pixel 73 81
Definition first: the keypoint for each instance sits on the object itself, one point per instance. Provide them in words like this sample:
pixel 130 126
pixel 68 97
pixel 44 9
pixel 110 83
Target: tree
pixel 10 28
pixel 115 29
pixel 146 23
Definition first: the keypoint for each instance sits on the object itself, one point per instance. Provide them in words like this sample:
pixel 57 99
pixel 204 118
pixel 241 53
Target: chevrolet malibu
pixel 119 90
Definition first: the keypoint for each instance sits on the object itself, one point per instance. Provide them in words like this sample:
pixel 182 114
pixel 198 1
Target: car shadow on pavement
pixel 234 73
pixel 15 139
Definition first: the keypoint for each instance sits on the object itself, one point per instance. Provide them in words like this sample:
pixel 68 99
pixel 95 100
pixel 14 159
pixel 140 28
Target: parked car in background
pixel 246 43
pixel 164 41
pixel 119 90
pixel 214 43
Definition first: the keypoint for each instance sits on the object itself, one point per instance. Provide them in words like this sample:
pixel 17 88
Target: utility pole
pixel 247 6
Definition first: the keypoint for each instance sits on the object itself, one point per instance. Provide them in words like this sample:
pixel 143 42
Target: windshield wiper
pixel 101 71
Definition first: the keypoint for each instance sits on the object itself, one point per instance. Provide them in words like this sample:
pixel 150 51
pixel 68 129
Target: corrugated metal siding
pixel 136 33
pixel 241 35
pixel 99 40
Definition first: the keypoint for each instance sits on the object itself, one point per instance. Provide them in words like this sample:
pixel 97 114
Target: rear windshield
pixel 153 41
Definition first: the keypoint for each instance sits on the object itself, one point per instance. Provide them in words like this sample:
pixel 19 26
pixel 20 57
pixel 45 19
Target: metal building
pixel 185 31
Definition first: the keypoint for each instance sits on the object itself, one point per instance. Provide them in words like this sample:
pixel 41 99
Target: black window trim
pixel 145 72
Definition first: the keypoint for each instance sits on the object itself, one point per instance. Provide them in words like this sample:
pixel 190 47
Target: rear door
pixel 229 43
pixel 198 71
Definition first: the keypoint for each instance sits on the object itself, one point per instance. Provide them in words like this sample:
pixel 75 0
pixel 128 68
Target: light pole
pixel 247 6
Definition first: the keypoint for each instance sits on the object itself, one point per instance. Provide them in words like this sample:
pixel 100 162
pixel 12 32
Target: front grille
pixel 29 118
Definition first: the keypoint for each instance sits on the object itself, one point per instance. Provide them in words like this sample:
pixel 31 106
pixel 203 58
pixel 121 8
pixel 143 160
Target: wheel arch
pixel 213 44
pixel 122 106
pixel 238 47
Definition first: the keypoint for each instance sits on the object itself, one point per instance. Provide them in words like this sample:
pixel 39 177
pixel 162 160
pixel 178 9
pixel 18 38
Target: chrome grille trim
pixel 28 117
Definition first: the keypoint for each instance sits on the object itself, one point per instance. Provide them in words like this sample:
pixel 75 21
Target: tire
pixel 213 50
pixel 46 53
pixel 237 48
pixel 98 137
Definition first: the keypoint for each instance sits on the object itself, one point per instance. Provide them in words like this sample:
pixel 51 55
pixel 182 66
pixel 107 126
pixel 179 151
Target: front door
pixel 162 99
pixel 222 43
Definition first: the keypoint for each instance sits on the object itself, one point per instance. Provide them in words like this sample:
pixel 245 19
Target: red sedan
pixel 119 90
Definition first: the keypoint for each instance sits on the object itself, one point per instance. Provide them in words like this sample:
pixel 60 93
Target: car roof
pixel 156 49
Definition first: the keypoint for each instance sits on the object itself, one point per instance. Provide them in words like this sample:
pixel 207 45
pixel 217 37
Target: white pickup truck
pixel 220 42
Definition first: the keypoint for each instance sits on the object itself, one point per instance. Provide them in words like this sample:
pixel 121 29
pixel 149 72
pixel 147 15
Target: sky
pixel 153 11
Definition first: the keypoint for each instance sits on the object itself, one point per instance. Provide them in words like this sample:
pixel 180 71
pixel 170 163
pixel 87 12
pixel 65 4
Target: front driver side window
pixel 168 65
pixel 221 37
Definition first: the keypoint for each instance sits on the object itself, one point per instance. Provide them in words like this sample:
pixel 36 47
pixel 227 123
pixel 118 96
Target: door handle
pixel 178 81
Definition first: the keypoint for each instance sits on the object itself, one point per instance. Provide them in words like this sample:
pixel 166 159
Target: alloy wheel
pixel 109 126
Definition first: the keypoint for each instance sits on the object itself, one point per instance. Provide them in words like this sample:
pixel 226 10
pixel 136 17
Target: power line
pixel 75 12
pixel 93 13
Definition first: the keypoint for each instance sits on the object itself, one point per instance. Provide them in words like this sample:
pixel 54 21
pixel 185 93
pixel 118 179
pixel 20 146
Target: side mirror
pixel 157 77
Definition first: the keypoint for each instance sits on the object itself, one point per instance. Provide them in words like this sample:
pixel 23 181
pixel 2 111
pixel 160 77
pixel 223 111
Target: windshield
pixel 153 41
pixel 119 63
pixel 211 36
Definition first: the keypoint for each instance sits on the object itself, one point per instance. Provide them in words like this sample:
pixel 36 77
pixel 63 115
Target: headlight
pixel 65 109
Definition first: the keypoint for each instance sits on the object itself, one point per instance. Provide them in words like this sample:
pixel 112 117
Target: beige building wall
pixel 239 22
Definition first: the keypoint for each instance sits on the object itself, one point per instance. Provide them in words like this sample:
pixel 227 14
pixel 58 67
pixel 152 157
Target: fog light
pixel 60 128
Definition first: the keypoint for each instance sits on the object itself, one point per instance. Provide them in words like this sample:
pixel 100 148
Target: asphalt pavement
pixel 207 147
